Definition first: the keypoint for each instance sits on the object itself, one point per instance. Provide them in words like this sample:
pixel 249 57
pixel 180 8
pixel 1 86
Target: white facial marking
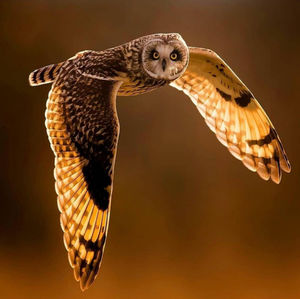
pixel 164 50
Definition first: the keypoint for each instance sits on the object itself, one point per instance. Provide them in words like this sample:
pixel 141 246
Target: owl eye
pixel 174 56
pixel 155 55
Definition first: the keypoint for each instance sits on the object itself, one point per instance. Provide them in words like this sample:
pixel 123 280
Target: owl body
pixel 83 127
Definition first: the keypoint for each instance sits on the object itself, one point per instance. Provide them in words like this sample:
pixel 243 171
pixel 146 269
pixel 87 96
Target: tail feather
pixel 44 75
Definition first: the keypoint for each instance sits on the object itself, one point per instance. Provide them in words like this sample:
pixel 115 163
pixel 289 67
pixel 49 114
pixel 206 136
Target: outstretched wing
pixel 231 111
pixel 83 130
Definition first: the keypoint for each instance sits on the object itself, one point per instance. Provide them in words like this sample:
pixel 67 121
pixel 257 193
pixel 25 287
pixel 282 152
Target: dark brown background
pixel 188 220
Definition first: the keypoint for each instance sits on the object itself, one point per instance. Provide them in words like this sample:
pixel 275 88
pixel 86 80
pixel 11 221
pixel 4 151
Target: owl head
pixel 165 56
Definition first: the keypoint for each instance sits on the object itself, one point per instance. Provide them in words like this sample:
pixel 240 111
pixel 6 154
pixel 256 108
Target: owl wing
pixel 83 130
pixel 233 114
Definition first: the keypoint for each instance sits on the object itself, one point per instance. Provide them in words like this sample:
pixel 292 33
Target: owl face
pixel 165 59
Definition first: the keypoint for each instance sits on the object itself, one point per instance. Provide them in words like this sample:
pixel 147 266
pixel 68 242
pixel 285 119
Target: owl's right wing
pixel 83 130
pixel 233 114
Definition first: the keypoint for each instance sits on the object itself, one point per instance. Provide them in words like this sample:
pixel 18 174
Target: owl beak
pixel 164 64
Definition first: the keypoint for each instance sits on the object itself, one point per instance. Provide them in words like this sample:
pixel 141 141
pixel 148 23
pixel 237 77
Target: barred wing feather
pixel 233 114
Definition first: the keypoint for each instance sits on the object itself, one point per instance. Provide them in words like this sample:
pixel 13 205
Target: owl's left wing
pixel 233 114
pixel 83 130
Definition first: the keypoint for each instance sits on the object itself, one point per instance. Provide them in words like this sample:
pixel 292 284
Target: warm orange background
pixel 188 220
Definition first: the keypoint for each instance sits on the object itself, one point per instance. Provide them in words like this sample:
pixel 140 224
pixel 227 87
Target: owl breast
pixel 138 85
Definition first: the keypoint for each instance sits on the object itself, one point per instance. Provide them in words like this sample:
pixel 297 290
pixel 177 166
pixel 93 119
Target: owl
pixel 83 127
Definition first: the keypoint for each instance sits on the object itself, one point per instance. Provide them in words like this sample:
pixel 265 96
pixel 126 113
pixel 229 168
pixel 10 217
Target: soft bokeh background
pixel 188 220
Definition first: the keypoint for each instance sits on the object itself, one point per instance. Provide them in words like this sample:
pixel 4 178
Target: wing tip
pixel 86 274
pixel 286 165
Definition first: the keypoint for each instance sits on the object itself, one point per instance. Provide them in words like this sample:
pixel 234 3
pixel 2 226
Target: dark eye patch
pixel 154 55
pixel 177 54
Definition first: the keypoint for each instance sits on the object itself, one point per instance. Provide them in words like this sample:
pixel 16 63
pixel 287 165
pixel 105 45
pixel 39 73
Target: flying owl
pixel 83 127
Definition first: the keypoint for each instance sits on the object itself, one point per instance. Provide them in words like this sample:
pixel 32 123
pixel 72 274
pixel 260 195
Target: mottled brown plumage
pixel 83 126
pixel 83 130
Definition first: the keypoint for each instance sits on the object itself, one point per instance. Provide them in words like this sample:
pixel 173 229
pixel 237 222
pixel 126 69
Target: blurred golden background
pixel 188 220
